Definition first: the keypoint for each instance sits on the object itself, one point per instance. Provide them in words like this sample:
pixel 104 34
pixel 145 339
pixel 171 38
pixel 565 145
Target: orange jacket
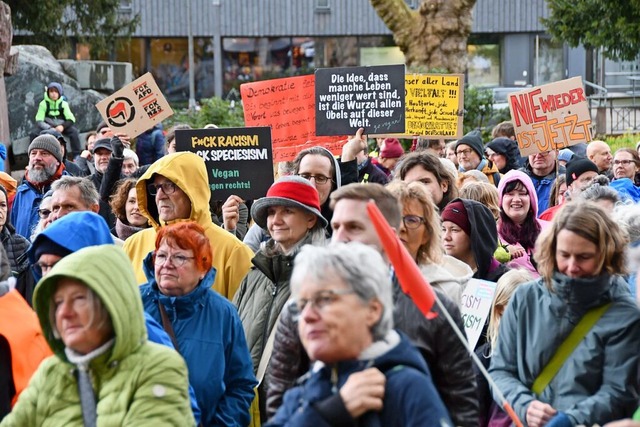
pixel 20 326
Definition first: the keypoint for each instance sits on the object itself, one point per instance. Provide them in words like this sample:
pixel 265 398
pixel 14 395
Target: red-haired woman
pixel 204 326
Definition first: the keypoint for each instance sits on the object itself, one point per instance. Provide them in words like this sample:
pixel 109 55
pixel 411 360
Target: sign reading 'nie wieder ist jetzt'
pixel 354 97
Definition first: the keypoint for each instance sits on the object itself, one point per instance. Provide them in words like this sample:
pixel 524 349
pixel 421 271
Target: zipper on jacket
pixel 334 379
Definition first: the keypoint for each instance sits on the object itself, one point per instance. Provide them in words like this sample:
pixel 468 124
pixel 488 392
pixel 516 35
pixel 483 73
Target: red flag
pixel 411 279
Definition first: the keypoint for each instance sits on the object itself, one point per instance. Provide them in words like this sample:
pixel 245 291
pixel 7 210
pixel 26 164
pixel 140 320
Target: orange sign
pixel 288 107
pixel 135 108
pixel 551 116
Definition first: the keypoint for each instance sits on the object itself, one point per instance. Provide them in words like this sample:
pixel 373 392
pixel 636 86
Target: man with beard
pixel 45 166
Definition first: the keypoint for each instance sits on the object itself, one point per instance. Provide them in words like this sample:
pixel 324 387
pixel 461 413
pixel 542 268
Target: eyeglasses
pixel 167 188
pixel 44 267
pixel 465 152
pixel 176 260
pixel 622 162
pixel 320 179
pixel 44 213
pixel 319 301
pixel 412 221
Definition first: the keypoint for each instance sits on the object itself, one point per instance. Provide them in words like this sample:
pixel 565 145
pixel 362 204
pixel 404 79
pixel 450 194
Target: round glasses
pixel 412 221
pixel 319 301
pixel 176 260
pixel 44 213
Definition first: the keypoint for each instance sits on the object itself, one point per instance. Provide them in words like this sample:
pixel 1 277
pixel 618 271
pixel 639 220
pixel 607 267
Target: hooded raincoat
pixel 135 382
pixel 231 258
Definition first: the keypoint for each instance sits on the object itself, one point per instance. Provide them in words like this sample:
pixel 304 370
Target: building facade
pixel 235 41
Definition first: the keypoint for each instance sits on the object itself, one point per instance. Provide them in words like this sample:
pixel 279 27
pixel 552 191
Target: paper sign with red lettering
pixel 475 307
pixel 551 116
pixel 135 108
pixel 288 107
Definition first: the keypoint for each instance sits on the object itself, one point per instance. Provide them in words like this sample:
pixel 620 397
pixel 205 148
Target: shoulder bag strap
pixel 567 347
pixel 166 325
pixel 268 350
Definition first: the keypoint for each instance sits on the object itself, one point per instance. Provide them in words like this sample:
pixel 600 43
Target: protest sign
pixel 434 105
pixel 551 116
pixel 476 300
pixel 353 97
pixel 238 160
pixel 135 108
pixel 288 107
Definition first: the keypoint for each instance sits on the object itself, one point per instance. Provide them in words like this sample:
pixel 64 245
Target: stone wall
pixel 8 61
pixel 84 84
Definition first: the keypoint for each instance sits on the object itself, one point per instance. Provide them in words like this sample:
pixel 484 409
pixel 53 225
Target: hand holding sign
pixel 353 146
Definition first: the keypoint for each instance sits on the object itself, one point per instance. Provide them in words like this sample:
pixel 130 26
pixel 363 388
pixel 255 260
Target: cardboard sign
pixel 354 97
pixel 238 160
pixel 288 107
pixel 551 116
pixel 434 105
pixel 476 300
pixel 135 108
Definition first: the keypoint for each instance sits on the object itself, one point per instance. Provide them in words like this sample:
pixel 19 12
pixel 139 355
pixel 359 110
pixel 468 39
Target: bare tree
pixel 434 36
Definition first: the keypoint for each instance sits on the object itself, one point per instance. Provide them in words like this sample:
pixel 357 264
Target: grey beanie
pixel 47 142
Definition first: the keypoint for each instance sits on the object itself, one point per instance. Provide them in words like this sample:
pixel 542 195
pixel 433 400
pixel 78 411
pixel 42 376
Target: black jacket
pixel 368 172
pixel 484 243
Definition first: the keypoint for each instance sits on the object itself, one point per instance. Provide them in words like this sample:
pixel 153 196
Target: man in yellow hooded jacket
pixel 175 188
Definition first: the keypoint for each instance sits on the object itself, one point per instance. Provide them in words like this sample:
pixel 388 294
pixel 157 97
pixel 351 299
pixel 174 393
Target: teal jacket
pixel 136 383
pixel 598 382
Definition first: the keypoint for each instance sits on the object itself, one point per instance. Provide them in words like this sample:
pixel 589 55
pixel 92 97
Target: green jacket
pixel 57 110
pixel 136 383
pixel 262 295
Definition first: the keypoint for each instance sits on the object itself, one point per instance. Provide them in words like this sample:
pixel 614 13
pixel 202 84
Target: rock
pixel 6 31
pixel 99 75
pixel 11 64
pixel 25 89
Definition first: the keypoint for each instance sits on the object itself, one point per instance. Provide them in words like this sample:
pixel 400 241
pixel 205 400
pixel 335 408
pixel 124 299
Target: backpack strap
pixel 567 347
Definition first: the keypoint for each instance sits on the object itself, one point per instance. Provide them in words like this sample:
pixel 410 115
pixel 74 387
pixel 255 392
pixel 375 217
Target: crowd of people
pixel 129 297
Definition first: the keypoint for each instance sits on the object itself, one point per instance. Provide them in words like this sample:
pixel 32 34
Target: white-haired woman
pixel 365 371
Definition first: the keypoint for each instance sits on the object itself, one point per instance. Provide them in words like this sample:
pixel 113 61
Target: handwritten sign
pixel 477 299
pixel 551 116
pixel 353 97
pixel 434 105
pixel 135 108
pixel 288 107
pixel 238 160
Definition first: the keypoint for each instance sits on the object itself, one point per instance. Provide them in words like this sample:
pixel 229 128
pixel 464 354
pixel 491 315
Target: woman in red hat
pixel 290 213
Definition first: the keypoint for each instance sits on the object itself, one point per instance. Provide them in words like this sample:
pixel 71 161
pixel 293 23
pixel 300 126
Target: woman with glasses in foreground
pixel 420 232
pixel 204 326
pixel 364 371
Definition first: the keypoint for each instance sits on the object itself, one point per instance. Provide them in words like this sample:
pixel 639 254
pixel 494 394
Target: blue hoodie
pixel 79 230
